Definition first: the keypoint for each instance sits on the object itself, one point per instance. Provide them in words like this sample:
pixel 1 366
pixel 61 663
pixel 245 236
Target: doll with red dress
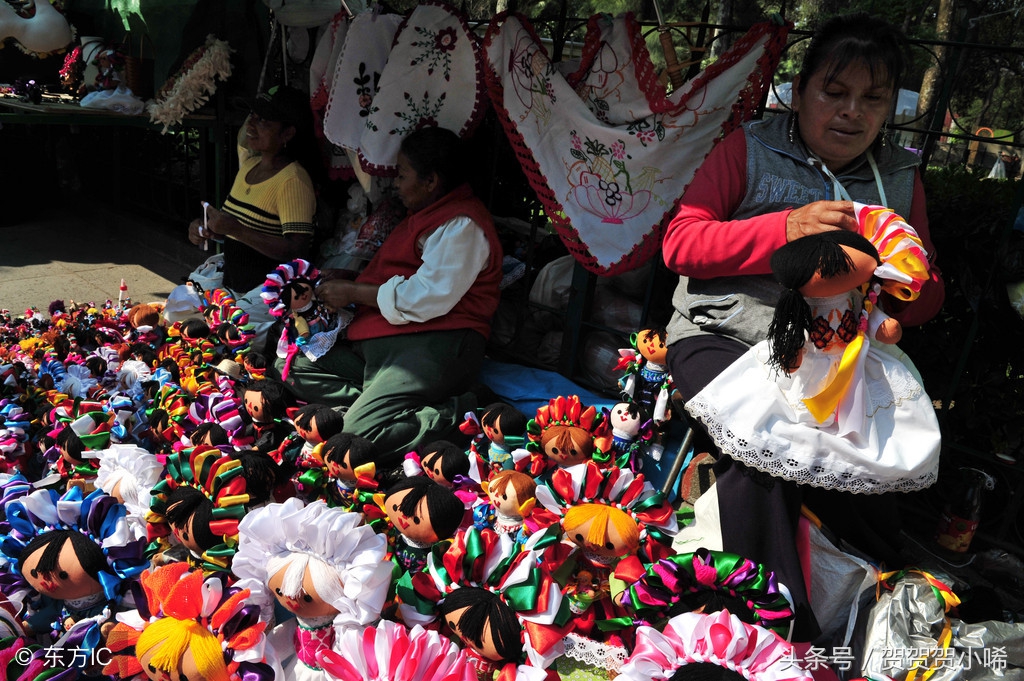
pixel 564 433
pixel 321 565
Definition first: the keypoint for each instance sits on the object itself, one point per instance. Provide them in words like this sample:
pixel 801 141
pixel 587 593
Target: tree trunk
pixel 931 84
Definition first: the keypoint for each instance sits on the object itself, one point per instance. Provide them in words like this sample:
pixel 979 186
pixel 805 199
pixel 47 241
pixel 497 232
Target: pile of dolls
pixel 166 512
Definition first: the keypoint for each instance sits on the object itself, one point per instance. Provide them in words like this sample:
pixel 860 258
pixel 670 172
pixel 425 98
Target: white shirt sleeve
pixel 454 254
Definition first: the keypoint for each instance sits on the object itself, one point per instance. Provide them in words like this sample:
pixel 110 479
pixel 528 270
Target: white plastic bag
pixel 210 274
pixel 182 303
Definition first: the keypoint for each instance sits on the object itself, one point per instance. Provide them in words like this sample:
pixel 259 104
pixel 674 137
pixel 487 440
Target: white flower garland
pixel 192 85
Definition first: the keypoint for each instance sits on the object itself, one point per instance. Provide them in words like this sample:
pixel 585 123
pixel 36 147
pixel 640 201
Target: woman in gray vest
pixel 760 188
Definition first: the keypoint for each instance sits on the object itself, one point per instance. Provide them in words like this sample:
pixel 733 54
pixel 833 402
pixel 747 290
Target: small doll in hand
pixel 310 327
pixel 820 401
pixel 322 565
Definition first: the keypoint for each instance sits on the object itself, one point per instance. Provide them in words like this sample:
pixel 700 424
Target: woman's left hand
pixel 219 222
pixel 340 293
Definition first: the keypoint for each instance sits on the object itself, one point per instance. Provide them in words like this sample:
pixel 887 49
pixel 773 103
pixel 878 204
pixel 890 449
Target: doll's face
pixel 311 434
pixel 186 537
pixel 623 421
pixel 484 648
pixel 434 472
pixel 339 468
pixel 506 502
pixel 187 669
pixel 255 406
pixel 493 433
pixel 567 445
pixel 67 582
pixel 613 546
pixel 306 604
pixel 300 297
pixel 652 346
pixel 417 526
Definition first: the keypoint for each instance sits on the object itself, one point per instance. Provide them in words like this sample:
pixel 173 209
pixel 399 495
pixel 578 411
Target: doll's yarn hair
pixel 454 461
pixel 262 474
pixel 213 434
pixel 188 502
pixel 97 365
pixel 524 486
pixel 361 451
pixel 446 510
pixel 194 328
pixel 69 442
pixel 174 637
pixel 793 266
pixel 90 555
pixel 602 515
pixel 273 394
pixel 326 579
pixel 485 607
pixel 513 421
pixel 329 422
pixel 705 671
pixel 568 438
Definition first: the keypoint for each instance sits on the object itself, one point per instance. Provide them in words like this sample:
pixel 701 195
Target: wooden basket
pixel 138 71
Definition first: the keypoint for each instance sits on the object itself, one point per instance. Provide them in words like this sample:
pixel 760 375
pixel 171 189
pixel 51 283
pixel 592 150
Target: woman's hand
pixel 339 293
pixel 195 232
pixel 820 216
pixel 218 222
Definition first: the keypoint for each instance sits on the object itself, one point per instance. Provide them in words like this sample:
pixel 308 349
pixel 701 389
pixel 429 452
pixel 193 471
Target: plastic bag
pixel 210 274
pixel 183 302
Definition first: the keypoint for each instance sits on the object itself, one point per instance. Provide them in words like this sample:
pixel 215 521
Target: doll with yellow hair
pixel 606 520
pixel 190 628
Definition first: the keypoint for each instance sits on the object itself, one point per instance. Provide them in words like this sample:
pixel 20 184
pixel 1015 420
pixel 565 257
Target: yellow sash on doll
pixel 825 403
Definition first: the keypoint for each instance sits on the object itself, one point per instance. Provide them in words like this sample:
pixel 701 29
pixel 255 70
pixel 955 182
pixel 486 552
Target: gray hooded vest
pixel 779 176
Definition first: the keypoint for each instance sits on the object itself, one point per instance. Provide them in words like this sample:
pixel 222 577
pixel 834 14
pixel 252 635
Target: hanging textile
pixel 606 150
pixel 434 76
pixel 354 86
pixel 321 76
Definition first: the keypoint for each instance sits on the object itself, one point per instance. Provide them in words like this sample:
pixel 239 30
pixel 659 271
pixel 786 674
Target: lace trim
pixel 752 455
pixel 593 653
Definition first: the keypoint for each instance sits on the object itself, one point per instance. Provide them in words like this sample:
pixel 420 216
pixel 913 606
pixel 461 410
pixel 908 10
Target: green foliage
pixel 970 219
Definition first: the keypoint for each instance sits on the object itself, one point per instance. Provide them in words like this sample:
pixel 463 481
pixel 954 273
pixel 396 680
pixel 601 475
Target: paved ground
pixel 59 254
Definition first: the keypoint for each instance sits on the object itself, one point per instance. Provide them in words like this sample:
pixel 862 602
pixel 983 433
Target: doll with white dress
pixel 828 400
pixel 323 566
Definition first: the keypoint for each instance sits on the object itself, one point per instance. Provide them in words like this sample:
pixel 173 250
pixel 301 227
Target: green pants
pixel 401 391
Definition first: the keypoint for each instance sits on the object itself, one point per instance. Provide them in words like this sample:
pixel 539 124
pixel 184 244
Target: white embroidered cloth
pixel 607 152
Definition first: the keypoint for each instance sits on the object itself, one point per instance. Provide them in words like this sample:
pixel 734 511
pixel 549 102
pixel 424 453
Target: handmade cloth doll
pixel 647 382
pixel 496 433
pixel 709 581
pixel 501 602
pixel 190 627
pixel 421 513
pixel 314 424
pixel 441 461
pixel 630 433
pixel 129 473
pixel 691 645
pixel 349 476
pixel 322 565
pixel 818 402
pixel 266 404
pixel 614 524
pixel 564 433
pixel 310 328
pixel 511 496
pixel 69 559
pixel 200 501
pixel 368 655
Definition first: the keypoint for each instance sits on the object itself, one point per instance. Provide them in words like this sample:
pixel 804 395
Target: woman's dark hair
pixel 213 431
pixel 453 459
pixel 328 421
pixel 303 147
pixel 705 671
pixel 854 38
pixel 89 554
pixel 188 502
pixel 445 509
pixel 513 421
pixel 72 445
pixel 793 266
pixel 484 606
pixel 436 150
